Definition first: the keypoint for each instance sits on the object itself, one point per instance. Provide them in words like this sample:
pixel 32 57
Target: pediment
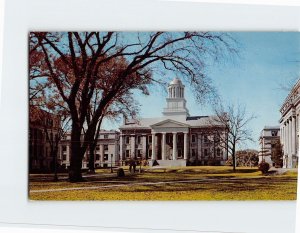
pixel 169 124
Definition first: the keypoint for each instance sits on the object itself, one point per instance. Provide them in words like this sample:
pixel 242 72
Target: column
pixel 289 142
pixel 199 147
pixel 121 147
pixel 102 153
pixel 287 137
pixel 290 136
pixel 282 137
pixel 132 146
pixel 144 146
pixel 60 152
pixel 174 146
pixel 298 152
pixel 185 147
pixel 163 147
pixel 293 135
pixel 68 156
pixel 153 147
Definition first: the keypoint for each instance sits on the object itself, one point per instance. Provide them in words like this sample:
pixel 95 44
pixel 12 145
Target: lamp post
pixel 55 178
pixel 111 156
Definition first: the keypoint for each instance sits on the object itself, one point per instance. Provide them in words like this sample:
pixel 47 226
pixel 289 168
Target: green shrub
pixel 120 172
pixel 264 167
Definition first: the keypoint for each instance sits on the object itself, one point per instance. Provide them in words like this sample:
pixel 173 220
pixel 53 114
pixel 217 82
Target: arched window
pixel 218 152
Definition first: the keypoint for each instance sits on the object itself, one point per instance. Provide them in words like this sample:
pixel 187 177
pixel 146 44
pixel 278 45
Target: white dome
pixel 176 81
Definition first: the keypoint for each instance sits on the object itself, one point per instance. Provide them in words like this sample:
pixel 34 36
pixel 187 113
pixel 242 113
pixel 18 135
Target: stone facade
pixel 176 138
pixel 43 127
pixel 106 151
pixel 289 127
pixel 269 137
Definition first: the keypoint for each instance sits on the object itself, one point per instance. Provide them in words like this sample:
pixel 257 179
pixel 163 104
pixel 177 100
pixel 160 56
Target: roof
pixel 176 81
pixel 277 127
pixel 193 121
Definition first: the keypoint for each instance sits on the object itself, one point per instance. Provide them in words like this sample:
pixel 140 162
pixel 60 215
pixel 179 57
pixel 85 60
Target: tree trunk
pixel 76 156
pixel 234 160
pixel 92 158
pixel 92 147
pixel 55 151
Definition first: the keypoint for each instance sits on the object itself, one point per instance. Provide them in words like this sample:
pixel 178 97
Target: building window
pixel 105 157
pixel 127 139
pixel 217 138
pixel 170 138
pixel 139 139
pixel 274 133
pixel 64 157
pixel 218 152
pixel 105 136
pixel 105 147
pixel 97 148
pixel 179 138
pixel 149 153
pixel 193 138
pixel 139 154
pixel 97 157
pixel 150 138
pixel 179 153
pixel 127 154
pixel 193 152
pixel 64 148
pixel 205 139
pixel 205 152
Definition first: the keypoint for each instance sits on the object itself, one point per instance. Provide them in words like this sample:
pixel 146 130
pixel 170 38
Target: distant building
pixel 269 137
pixel 289 127
pixel 43 127
pixel 106 151
pixel 175 138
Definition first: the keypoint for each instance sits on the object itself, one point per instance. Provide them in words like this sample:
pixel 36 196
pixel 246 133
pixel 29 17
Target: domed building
pixel 175 138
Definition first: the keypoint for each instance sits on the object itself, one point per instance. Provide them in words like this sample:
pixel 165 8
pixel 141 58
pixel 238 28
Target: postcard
pixel 195 115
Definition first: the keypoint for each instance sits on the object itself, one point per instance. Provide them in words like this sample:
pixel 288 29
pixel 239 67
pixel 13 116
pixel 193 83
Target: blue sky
pixel 266 60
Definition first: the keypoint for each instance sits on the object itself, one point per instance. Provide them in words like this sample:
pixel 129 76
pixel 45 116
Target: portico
pixel 173 131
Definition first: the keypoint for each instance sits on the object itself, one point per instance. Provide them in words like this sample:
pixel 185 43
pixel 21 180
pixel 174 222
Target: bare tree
pixel 247 158
pixel 73 61
pixel 235 121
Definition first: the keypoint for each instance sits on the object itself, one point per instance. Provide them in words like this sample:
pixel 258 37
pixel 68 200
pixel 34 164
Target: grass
pixel 189 183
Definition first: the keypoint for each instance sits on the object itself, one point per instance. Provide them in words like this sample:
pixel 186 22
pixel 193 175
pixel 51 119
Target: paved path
pixel 280 171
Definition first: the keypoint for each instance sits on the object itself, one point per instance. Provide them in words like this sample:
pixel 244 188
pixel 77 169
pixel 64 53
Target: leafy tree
pixel 277 154
pixel 74 61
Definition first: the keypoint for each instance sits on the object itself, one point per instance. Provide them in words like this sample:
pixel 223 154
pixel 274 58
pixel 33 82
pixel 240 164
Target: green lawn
pixel 189 183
